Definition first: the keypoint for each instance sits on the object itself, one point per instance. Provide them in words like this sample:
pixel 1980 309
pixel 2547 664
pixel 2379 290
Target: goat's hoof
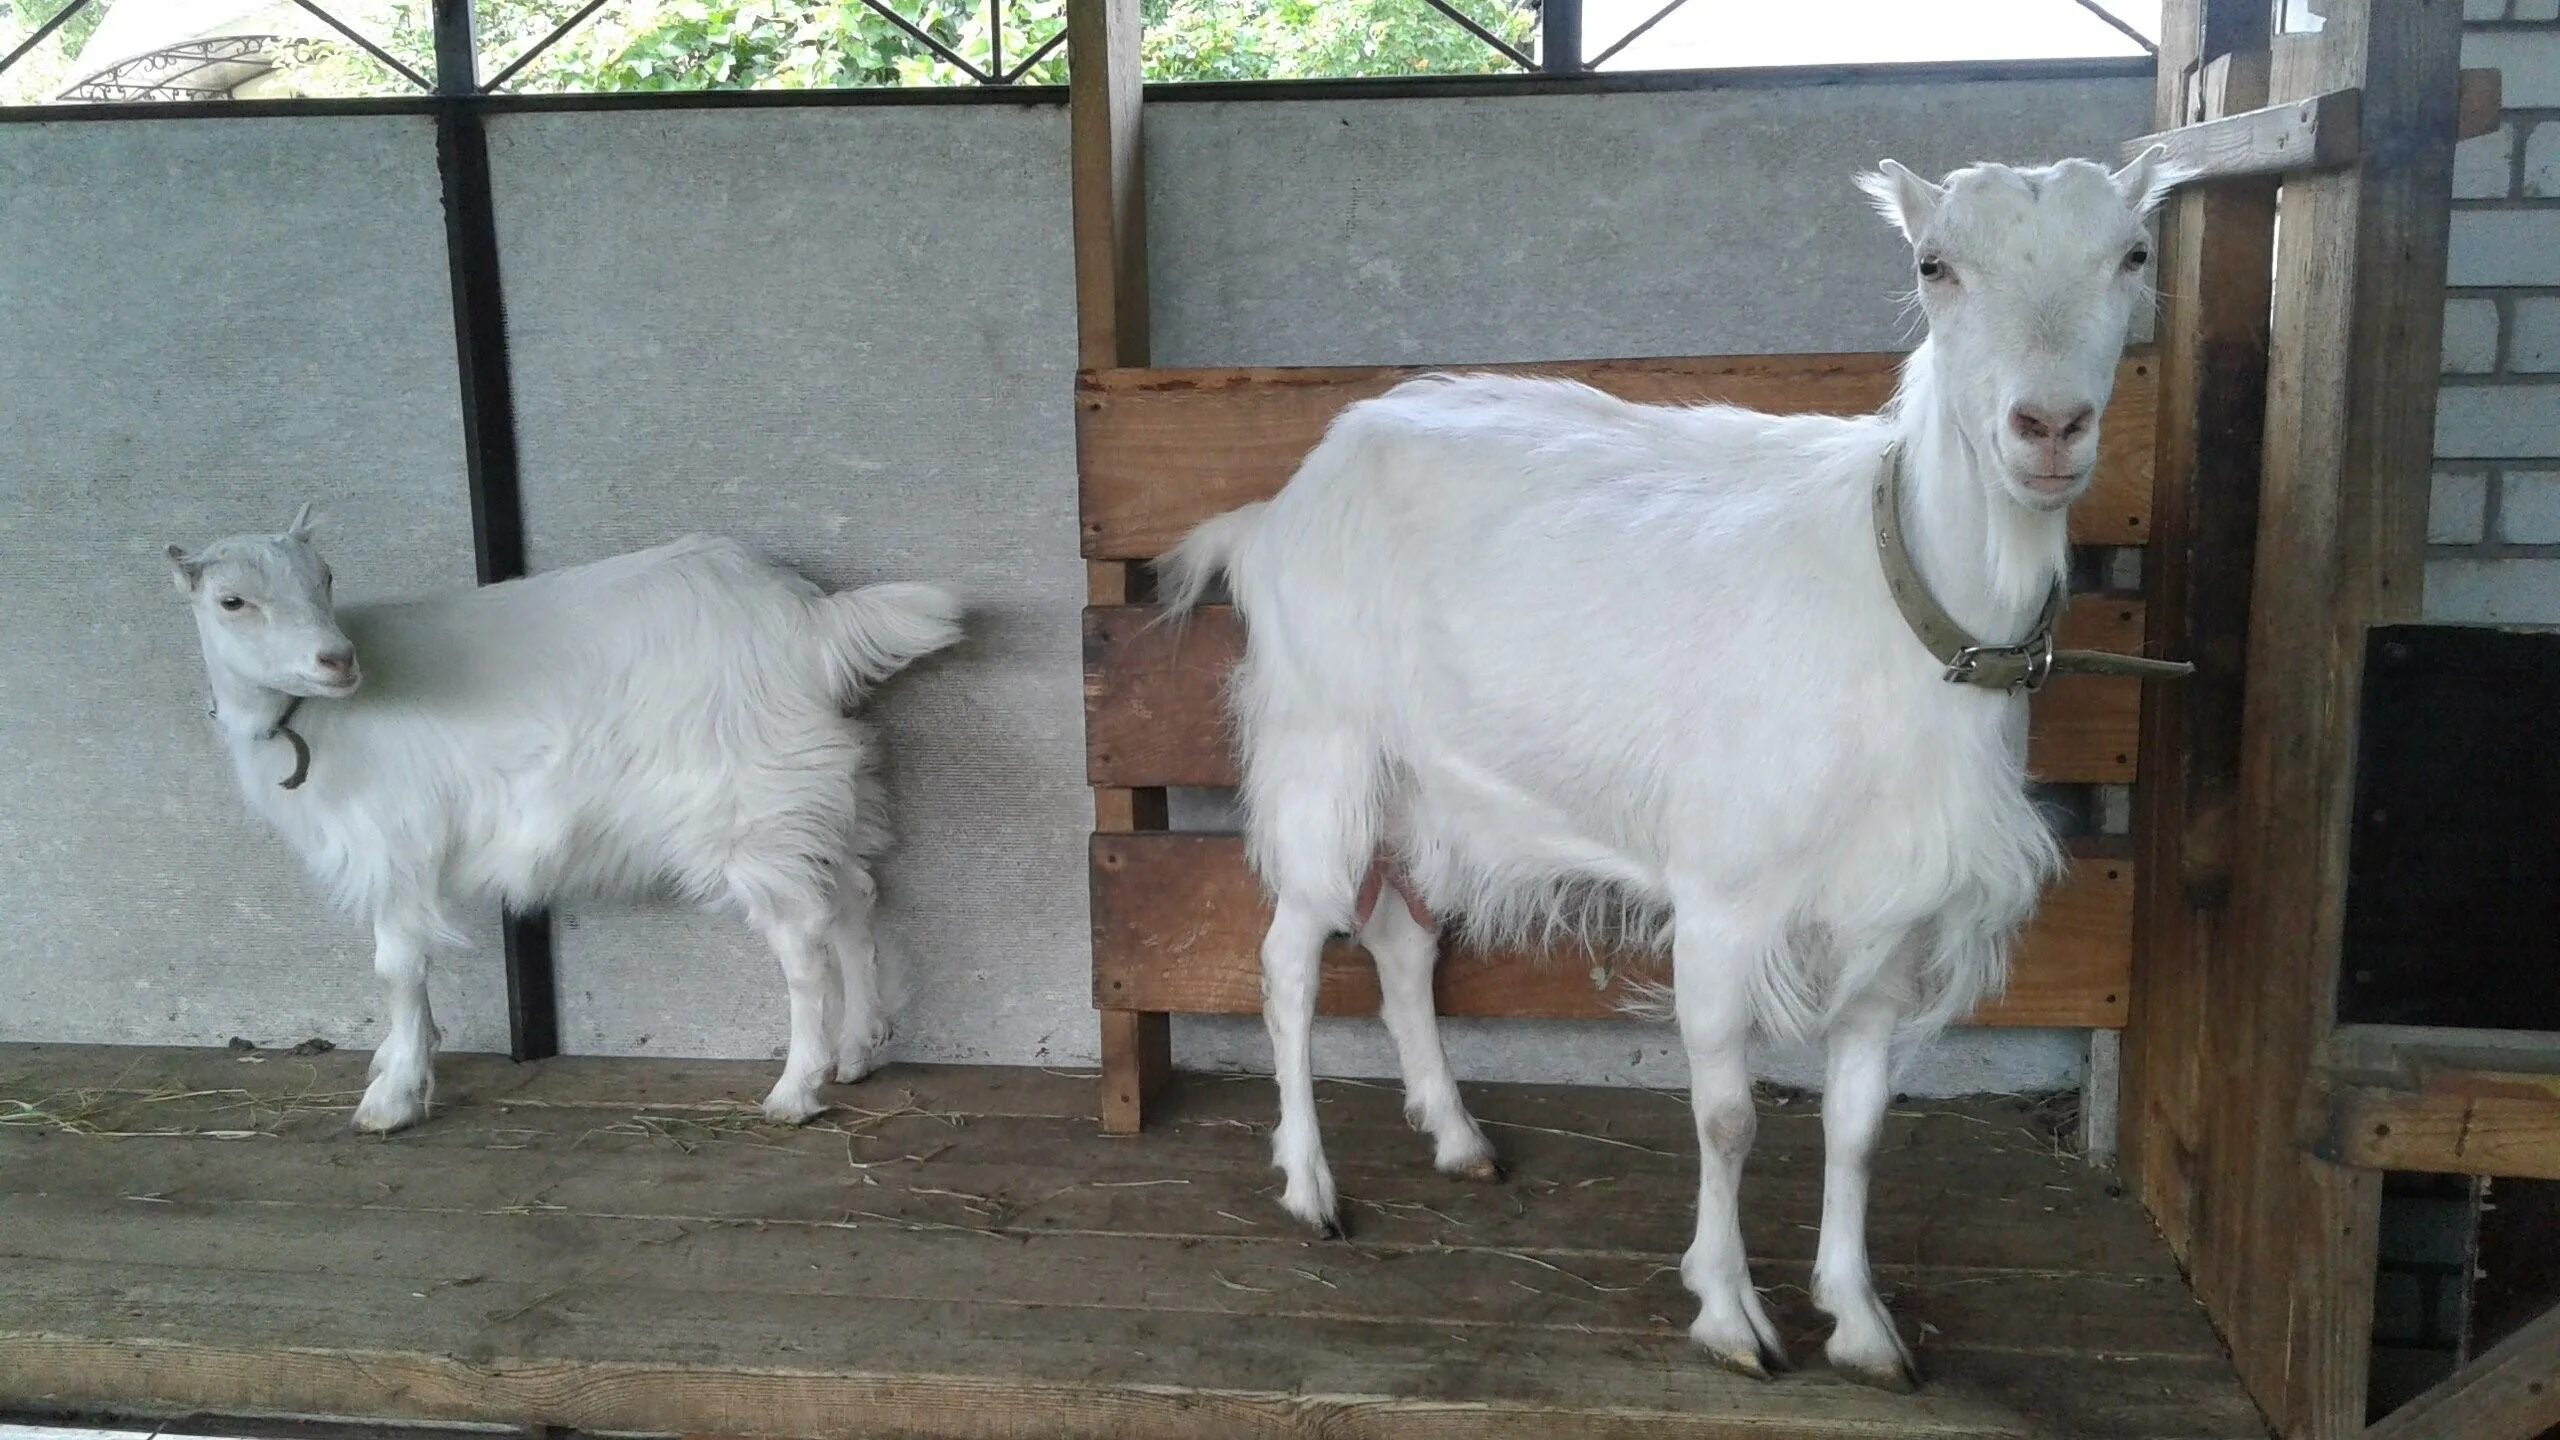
pixel 856 1070
pixel 793 1109
pixel 1332 1228
pixel 382 1116
pixel 1749 1348
pixel 1749 1363
pixel 1486 1169
pixel 1884 1363
pixel 1900 1377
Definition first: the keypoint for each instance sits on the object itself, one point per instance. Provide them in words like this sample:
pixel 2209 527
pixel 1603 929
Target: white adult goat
pixel 1524 645
pixel 679 718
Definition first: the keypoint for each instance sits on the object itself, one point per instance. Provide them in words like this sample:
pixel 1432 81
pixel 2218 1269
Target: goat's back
pixel 612 728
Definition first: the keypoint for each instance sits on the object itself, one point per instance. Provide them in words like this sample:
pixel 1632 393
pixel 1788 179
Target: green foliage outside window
pixel 646 45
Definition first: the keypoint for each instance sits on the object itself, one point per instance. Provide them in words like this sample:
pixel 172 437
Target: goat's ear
pixel 185 569
pixel 300 529
pixel 2147 179
pixel 1902 197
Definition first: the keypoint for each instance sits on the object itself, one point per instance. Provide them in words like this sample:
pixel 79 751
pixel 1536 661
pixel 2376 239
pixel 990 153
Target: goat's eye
pixel 2137 257
pixel 1933 268
pixel 233 602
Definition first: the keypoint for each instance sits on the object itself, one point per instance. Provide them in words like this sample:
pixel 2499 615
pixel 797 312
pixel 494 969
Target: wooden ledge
pixel 2438 1101
pixel 2321 133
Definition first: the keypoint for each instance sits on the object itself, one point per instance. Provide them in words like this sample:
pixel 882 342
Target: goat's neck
pixel 246 712
pixel 1990 562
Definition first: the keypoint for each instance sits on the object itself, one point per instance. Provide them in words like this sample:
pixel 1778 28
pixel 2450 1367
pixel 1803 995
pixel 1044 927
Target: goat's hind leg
pixel 1406 951
pixel 862 1030
pixel 1292 957
pixel 402 1078
pixel 796 926
pixel 1308 803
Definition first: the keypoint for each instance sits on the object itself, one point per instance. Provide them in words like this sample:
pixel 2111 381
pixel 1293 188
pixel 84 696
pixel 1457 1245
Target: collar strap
pixel 301 747
pixel 2023 665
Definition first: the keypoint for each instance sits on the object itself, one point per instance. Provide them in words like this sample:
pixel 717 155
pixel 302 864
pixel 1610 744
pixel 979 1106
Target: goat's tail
pixel 1183 573
pixel 873 633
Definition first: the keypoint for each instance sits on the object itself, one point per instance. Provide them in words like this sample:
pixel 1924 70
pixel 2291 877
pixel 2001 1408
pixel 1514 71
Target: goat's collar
pixel 301 747
pixel 2022 665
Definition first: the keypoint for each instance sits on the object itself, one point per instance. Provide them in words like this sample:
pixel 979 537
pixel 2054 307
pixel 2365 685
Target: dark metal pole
pixel 488 436
pixel 1560 37
pixel 457 49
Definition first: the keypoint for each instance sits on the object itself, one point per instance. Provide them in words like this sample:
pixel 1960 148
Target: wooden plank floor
pixel 621 1245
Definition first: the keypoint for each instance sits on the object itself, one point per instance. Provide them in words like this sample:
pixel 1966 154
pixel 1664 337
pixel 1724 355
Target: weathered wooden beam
pixel 1107 188
pixel 2320 133
pixel 1155 710
pixel 2341 546
pixel 2316 134
pixel 1106 182
pixel 1160 450
pixel 1178 922
pixel 2217 249
pixel 2510 1393
pixel 2437 1101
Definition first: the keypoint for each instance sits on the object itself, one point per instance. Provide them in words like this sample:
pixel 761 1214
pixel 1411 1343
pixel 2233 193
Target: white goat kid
pixel 1557 659
pixel 677 719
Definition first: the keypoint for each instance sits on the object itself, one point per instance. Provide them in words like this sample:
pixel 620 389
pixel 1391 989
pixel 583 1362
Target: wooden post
pixel 2282 1244
pixel 1107 176
pixel 2217 247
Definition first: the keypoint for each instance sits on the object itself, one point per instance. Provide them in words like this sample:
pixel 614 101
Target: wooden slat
pixel 2217 262
pixel 1178 921
pixel 1161 450
pixel 2444 1102
pixel 1155 715
pixel 2511 1393
pixel 2319 133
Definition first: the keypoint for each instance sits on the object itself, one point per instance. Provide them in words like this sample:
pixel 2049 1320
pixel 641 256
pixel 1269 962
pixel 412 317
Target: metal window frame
pixel 1561 55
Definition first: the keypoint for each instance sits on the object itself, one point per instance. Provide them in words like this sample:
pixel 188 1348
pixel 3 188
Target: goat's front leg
pixel 403 1073
pixel 1856 1082
pixel 1292 955
pixel 1714 950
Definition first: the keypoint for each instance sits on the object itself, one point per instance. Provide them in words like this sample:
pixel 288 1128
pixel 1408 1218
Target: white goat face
pixel 2029 278
pixel 263 608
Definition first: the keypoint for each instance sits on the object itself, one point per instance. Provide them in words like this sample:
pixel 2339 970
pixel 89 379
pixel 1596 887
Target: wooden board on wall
pixel 2218 256
pixel 1154 713
pixel 1178 921
pixel 1160 450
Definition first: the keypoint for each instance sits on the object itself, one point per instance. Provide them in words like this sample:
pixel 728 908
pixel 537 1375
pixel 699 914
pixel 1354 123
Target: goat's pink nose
pixel 2051 422
pixel 335 662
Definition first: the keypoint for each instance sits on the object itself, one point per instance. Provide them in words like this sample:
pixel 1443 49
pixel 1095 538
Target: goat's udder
pixel 1383 875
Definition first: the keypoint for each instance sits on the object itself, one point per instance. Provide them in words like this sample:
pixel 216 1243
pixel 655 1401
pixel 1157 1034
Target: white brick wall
pixel 2493 528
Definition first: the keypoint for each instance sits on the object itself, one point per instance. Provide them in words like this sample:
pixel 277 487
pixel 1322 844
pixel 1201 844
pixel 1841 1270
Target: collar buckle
pixel 2025 665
